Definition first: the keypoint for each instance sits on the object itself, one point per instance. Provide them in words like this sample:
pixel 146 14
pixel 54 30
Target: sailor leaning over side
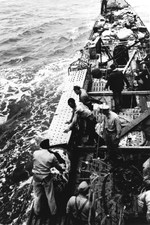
pixel 84 119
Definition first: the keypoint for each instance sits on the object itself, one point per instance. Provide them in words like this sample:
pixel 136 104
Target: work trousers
pixel 40 188
pixel 111 141
pixel 118 101
pixel 104 6
pixel 91 123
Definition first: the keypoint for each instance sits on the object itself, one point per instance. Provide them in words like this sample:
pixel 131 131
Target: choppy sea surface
pixel 38 41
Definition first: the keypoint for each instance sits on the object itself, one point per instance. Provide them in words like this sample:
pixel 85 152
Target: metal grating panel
pixel 75 78
pixel 63 112
pixel 63 106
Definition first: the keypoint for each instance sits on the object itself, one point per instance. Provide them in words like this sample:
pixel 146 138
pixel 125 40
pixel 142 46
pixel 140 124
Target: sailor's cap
pixel 103 106
pixel 83 186
pixel 45 144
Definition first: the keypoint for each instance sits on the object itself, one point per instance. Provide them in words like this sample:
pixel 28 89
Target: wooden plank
pixel 136 149
pixel 128 63
pixel 109 93
pixel 134 123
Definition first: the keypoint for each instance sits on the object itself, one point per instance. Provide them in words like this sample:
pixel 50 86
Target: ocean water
pixel 38 41
pixel 38 32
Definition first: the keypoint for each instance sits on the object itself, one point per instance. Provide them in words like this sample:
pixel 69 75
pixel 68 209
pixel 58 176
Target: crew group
pixel 83 123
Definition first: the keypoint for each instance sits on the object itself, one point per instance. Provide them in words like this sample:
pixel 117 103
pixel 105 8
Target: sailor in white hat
pixel 111 128
pixel 104 106
pixel 83 187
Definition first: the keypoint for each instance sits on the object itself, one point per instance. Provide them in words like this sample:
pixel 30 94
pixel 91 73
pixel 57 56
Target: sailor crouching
pixel 43 161
pixel 84 119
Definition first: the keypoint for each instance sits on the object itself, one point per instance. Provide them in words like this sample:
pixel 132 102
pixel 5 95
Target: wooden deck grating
pixel 98 85
pixel 63 112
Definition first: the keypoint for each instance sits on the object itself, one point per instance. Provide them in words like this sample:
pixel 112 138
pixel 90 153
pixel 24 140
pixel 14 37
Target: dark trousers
pixel 111 142
pixel 91 130
pixel 118 100
pixel 87 129
pixel 104 6
pixel 43 187
pixel 93 136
